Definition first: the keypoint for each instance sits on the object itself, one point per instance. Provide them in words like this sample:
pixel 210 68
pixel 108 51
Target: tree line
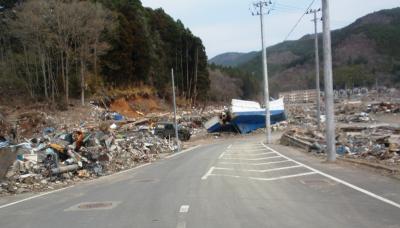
pixel 57 49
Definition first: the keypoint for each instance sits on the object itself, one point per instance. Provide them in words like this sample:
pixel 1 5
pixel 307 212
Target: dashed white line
pixel 208 173
pixel 184 209
pixel 181 219
pixel 229 146
pixel 181 224
pixel 366 192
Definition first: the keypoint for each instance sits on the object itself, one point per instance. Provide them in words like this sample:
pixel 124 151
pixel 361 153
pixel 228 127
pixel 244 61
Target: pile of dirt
pixel 134 107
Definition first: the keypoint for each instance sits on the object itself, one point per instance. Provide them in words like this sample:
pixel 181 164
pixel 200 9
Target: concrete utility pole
pixel 175 122
pixel 260 6
pixel 328 79
pixel 318 100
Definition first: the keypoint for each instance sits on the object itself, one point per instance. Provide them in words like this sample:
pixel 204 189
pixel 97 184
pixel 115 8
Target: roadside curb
pixel 183 151
pixel 392 170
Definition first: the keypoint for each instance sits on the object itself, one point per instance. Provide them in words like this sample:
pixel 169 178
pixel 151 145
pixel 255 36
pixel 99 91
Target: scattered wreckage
pixel 167 130
pixel 379 143
pixel 59 155
pixel 359 135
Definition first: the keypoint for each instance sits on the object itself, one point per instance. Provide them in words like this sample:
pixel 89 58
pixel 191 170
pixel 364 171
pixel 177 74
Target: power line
pixel 298 22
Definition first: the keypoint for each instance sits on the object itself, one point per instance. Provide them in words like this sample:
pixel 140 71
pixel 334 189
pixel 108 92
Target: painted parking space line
pixel 252 159
pixel 354 187
pixel 260 170
pixel 246 149
pixel 240 154
pixel 274 169
pixel 220 156
pixel 255 164
pixel 283 177
pixel 265 179
pixel 208 173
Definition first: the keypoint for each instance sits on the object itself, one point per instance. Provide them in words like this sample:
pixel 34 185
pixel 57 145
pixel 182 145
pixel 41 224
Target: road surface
pixel 236 183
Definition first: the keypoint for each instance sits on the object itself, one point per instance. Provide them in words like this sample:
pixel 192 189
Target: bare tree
pixel 224 88
pixel 55 36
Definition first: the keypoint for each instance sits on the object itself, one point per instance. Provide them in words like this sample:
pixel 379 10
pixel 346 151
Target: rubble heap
pixel 379 144
pixel 56 157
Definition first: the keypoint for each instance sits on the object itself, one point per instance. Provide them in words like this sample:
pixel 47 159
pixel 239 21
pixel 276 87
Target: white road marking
pixel 208 173
pixel 244 150
pixel 241 154
pixel 62 189
pixel 183 151
pixel 181 224
pixel 220 168
pixel 225 175
pixel 33 197
pixel 251 159
pixel 255 164
pixel 184 209
pixel 181 221
pixel 283 177
pixel 259 170
pixel 366 192
pixel 221 155
pixel 275 169
pixel 266 179
pixel 229 146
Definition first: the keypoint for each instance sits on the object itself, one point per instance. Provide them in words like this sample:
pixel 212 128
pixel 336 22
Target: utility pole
pixel 318 90
pixel 328 79
pixel 260 6
pixel 175 122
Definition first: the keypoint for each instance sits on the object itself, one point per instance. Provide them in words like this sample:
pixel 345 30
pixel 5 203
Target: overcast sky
pixel 227 25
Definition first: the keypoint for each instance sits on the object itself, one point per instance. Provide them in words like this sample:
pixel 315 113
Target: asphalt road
pixel 237 183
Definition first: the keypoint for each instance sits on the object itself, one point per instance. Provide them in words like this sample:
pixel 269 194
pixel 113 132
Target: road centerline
pixel 184 209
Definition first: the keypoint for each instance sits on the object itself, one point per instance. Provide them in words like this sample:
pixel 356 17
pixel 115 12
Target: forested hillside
pixel 53 50
pixel 232 59
pixel 364 53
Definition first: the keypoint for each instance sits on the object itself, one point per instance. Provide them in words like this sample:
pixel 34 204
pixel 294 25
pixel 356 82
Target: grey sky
pixel 227 25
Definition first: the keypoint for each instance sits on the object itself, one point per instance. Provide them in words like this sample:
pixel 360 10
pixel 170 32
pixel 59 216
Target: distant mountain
pixel 365 52
pixel 232 59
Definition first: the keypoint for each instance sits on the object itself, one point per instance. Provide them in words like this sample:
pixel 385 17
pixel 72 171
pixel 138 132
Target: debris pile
pixel 384 107
pixel 361 117
pixel 374 144
pixel 379 144
pixel 58 155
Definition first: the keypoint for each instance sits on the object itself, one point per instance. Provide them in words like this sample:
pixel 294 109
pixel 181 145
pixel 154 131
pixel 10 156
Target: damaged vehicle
pixel 167 130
